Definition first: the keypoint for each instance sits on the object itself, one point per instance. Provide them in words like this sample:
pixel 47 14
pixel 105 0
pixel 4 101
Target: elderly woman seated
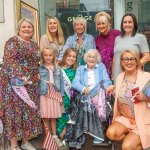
pixel 87 119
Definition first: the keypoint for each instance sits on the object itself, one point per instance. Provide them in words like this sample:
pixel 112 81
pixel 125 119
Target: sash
pixel 23 94
pixel 99 100
pixel 52 93
pixel 67 84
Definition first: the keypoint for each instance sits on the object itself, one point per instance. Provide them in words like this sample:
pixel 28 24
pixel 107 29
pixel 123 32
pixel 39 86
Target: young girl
pixel 50 76
pixel 69 65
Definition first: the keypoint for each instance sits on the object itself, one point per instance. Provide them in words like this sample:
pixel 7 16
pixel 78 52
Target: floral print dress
pixel 20 59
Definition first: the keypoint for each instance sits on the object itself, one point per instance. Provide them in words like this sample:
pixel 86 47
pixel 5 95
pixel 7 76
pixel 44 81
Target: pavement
pixel 37 142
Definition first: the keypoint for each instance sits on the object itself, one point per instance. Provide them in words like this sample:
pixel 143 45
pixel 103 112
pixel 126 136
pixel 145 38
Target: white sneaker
pixel 28 146
pixel 71 122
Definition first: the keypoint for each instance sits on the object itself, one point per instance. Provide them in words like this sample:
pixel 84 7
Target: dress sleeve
pixel 76 84
pixel 106 79
pixel 11 64
pixel 66 46
pixel 143 44
pixel 43 42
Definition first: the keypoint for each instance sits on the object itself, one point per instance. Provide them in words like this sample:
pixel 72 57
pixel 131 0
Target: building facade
pixel 66 10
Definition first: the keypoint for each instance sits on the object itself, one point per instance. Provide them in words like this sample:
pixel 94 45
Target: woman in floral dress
pixel 21 122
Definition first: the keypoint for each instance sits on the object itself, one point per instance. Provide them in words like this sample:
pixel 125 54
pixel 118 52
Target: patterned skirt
pixel 19 119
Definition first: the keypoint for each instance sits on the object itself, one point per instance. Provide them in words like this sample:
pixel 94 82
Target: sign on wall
pixel 1 11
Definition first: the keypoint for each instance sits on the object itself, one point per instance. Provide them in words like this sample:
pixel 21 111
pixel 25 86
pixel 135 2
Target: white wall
pixel 7 28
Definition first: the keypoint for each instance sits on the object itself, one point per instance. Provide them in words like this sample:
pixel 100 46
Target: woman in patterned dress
pixel 69 65
pixel 21 58
pixel 131 116
pixel 53 38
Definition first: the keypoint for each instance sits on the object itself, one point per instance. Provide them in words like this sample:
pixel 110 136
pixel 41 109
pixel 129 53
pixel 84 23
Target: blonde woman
pixel 105 39
pixel 81 41
pixel 21 58
pixel 53 38
pixel 131 117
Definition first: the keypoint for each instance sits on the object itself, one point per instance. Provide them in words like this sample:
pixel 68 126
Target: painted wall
pixel 7 28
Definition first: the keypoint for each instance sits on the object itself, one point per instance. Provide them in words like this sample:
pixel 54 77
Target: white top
pixel 91 79
pixel 137 43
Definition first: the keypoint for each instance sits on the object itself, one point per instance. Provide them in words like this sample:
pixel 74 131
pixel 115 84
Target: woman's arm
pixel 11 63
pixel 66 46
pixel 76 84
pixel 145 58
pixel 44 42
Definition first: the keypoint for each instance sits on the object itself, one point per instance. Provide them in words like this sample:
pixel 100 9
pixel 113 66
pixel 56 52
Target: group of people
pixel 67 80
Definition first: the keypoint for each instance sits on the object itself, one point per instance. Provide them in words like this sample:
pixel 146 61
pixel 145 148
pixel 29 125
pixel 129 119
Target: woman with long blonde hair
pixel 53 38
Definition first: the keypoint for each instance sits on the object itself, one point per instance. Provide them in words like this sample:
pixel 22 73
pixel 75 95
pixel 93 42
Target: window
pixel 67 10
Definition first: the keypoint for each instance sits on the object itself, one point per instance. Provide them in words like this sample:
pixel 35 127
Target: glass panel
pixel 67 10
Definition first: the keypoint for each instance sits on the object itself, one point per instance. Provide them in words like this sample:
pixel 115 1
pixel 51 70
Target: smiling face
pixel 79 28
pixel 71 59
pixel 103 25
pixel 129 62
pixel 91 60
pixel 128 25
pixel 48 57
pixel 26 31
pixel 52 25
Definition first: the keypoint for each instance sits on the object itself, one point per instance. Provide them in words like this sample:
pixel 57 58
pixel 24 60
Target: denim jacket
pixel 81 78
pixel 58 80
pixel 88 42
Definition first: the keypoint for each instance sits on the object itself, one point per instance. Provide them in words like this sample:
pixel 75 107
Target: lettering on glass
pixel 129 6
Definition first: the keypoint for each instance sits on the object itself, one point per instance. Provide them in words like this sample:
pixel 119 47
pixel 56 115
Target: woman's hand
pixel 110 90
pixel 87 91
pixel 25 80
pixel 141 97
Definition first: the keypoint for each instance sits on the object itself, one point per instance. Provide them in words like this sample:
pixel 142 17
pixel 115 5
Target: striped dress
pixel 50 108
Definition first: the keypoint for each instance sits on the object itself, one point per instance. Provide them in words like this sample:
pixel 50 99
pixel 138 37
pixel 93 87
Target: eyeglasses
pixel 132 59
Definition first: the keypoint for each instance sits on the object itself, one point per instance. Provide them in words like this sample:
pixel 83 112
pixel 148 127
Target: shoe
pixel 58 141
pixel 97 141
pixel 66 145
pixel 17 148
pixel 28 146
pixel 103 143
pixel 71 122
